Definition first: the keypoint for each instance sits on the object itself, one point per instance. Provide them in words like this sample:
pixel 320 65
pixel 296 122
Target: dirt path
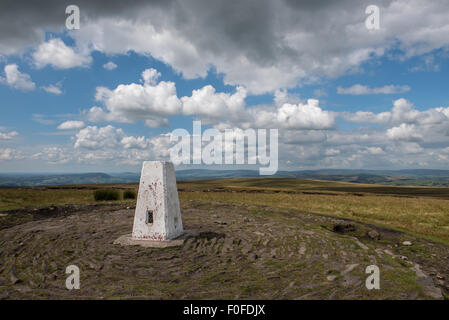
pixel 240 253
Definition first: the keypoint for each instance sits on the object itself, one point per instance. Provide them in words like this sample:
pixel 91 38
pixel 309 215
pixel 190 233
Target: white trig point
pixel 158 216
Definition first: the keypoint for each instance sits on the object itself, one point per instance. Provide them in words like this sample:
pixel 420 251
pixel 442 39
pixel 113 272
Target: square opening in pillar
pixel 149 217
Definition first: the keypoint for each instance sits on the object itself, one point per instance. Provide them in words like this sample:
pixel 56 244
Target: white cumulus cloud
pixel 300 116
pixel 401 112
pixel 405 132
pixel 134 142
pixel 17 80
pixel 8 135
pixel 154 102
pixel 57 54
pixel 210 104
pixel 359 89
pixel 93 137
pixel 109 137
pixel 53 89
pixel 71 125
pixel 149 101
pixel 110 65
pixel 304 116
pixel 9 154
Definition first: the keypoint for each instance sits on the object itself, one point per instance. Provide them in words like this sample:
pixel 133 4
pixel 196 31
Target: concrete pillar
pixel 158 216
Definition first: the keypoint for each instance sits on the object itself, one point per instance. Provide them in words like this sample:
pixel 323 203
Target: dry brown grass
pixel 422 216
pixel 14 198
pixel 422 211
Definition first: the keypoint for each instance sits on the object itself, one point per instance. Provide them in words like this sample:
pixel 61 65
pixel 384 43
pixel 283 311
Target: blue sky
pixel 381 95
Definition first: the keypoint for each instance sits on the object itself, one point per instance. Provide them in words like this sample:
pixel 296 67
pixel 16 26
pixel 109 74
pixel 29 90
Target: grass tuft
pixel 105 195
pixel 129 194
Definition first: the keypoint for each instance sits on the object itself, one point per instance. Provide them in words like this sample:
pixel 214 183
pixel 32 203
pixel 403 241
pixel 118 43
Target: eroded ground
pixel 242 252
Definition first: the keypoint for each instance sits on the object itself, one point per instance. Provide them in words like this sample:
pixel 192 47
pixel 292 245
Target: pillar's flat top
pixel 164 162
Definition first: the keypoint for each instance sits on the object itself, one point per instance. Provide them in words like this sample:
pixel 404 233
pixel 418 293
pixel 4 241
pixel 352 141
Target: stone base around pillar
pixel 128 240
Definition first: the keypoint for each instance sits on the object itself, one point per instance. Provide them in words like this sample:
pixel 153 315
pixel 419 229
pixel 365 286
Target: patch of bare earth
pixel 240 253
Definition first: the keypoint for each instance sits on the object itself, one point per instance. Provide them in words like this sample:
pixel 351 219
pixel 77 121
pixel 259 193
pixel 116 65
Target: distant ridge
pixel 412 177
pixel 22 180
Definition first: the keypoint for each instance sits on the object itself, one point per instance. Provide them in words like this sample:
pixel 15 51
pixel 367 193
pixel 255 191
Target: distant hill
pixel 419 177
pixel 20 180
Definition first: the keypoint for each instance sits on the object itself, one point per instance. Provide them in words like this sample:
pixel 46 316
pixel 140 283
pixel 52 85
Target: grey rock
pixel 373 234
pixel 13 277
pixel 349 268
pixel 331 277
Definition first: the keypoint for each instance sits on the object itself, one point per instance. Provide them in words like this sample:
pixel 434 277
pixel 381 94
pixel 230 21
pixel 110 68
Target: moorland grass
pixel 421 216
pixel 419 210
pixel 16 198
pixel 106 195
pixel 129 194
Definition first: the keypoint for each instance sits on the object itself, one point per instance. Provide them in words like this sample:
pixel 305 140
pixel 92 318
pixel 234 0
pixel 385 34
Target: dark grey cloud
pixel 264 45
pixel 23 23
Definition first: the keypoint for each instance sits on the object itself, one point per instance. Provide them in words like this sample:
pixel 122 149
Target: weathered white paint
pixel 157 194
